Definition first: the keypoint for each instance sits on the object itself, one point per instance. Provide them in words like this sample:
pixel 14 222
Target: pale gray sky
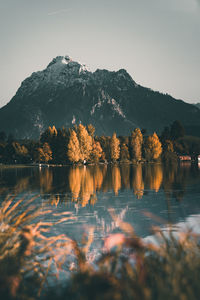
pixel 156 41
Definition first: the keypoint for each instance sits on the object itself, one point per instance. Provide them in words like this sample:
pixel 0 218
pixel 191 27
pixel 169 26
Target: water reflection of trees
pixel 85 182
pixel 154 176
pixel 81 184
pixel 137 181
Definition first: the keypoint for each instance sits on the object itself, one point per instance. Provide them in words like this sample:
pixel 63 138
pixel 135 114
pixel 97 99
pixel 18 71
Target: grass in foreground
pixel 128 268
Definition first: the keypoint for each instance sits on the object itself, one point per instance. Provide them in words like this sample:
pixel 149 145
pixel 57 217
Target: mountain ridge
pixel 66 92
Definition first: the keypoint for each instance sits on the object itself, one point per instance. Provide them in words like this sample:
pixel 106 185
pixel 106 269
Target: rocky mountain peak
pixel 60 60
pixel 68 64
pixel 66 92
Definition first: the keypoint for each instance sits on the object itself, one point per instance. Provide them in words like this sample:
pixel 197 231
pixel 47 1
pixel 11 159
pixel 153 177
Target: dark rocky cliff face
pixel 66 93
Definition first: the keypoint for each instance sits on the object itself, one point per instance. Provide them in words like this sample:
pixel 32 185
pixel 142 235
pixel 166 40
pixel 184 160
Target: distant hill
pixel 66 92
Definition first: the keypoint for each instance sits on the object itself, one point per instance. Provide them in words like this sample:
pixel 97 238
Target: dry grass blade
pixel 25 250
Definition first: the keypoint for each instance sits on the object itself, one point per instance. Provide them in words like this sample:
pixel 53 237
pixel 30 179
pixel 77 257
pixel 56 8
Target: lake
pixel 139 194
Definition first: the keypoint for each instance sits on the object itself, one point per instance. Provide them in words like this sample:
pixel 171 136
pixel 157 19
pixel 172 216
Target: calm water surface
pixel 171 193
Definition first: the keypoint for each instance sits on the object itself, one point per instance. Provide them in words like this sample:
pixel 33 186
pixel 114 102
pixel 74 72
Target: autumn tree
pixel 136 144
pixel 153 147
pixel 124 153
pixel 85 142
pixel 38 154
pixel 43 154
pixel 96 152
pixel 91 130
pixel 14 152
pixel 114 148
pixel 73 151
pixel 47 152
pixel 48 134
pixel 105 144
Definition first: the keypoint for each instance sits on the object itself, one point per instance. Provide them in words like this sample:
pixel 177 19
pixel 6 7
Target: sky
pixel 156 41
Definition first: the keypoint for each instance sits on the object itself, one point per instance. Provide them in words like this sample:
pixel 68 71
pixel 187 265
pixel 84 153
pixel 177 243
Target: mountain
pixel 66 92
pixel 197 105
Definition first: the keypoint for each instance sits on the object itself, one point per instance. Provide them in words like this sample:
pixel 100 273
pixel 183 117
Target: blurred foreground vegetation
pixel 32 260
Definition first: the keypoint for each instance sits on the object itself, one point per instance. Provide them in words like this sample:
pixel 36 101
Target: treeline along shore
pixel 79 144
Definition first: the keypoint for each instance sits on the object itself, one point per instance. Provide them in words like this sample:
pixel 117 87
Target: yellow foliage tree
pixel 96 152
pixel 136 144
pixel 73 151
pixel 47 152
pixel 85 142
pixel 114 148
pixel 91 130
pixel 153 147
pixel 44 153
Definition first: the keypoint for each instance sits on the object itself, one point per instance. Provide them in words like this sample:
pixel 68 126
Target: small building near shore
pixel 185 158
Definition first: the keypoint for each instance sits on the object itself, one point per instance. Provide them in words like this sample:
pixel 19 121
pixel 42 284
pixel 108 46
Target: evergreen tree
pixel 114 148
pixel 60 144
pixel 165 135
pixel 177 130
pixel 2 136
pixel 168 146
pixel 73 151
pixel 48 134
pixel 2 152
pixel 153 147
pixel 168 154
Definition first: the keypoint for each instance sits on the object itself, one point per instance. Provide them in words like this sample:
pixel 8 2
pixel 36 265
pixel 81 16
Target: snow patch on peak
pixel 60 60
pixel 105 98
pixel 64 61
pixel 74 120
pixel 83 69
pixel 67 58
pixel 116 107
